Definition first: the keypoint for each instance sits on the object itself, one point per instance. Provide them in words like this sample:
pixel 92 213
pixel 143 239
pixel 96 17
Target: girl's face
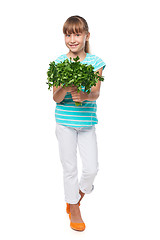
pixel 76 41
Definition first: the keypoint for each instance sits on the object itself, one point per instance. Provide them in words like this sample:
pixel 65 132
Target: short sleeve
pixel 99 63
pixel 57 60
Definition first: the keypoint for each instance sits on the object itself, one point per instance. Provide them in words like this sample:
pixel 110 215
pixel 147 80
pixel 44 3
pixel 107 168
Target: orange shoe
pixel 68 207
pixel 77 226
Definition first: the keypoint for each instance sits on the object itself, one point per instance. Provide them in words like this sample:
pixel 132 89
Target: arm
pixel 92 96
pixel 59 93
pixel 95 90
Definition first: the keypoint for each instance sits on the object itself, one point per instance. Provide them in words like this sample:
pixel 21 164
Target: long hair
pixel 76 24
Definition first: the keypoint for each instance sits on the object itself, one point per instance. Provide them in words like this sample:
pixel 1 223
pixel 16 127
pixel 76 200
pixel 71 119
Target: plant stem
pixel 78 103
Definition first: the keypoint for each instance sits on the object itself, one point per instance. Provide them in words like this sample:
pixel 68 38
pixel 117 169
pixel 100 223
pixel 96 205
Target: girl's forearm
pixel 59 94
pixel 92 96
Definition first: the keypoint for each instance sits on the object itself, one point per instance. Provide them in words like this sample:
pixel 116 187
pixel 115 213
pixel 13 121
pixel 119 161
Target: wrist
pixel 65 89
pixel 86 96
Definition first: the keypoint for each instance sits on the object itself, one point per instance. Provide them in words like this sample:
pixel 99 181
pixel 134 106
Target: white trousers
pixel 68 139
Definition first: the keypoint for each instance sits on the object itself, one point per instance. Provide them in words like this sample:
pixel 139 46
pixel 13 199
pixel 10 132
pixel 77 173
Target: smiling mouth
pixel 74 45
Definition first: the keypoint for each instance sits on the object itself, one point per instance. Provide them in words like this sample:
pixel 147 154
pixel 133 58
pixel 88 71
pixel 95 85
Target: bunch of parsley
pixel 68 73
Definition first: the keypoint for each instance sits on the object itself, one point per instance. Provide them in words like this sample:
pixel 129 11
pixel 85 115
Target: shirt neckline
pixel 80 61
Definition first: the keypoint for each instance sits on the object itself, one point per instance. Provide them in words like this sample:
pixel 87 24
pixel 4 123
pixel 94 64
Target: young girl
pixel 76 125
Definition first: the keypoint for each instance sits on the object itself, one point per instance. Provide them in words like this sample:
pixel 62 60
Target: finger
pixel 74 94
pixel 77 99
pixel 74 88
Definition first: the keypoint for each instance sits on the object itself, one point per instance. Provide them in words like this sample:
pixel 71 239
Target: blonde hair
pixel 77 24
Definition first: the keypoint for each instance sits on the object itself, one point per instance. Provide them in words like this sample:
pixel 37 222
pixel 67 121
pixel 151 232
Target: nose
pixel 72 38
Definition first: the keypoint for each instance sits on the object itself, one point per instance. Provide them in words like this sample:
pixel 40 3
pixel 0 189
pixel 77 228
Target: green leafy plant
pixel 68 73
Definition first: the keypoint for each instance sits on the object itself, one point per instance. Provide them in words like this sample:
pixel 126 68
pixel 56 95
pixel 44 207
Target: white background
pixel 125 202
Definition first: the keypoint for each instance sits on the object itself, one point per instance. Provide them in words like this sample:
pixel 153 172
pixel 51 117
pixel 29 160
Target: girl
pixel 76 125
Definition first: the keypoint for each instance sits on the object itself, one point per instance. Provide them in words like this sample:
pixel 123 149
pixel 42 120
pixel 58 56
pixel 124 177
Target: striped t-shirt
pixel 66 113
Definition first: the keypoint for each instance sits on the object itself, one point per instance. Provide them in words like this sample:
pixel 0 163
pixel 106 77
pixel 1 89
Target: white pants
pixel 68 139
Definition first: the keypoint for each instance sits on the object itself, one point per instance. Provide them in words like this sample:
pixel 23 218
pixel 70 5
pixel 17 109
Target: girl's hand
pixel 78 96
pixel 69 89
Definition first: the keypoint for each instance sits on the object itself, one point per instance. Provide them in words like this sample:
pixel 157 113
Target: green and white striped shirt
pixel 66 113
